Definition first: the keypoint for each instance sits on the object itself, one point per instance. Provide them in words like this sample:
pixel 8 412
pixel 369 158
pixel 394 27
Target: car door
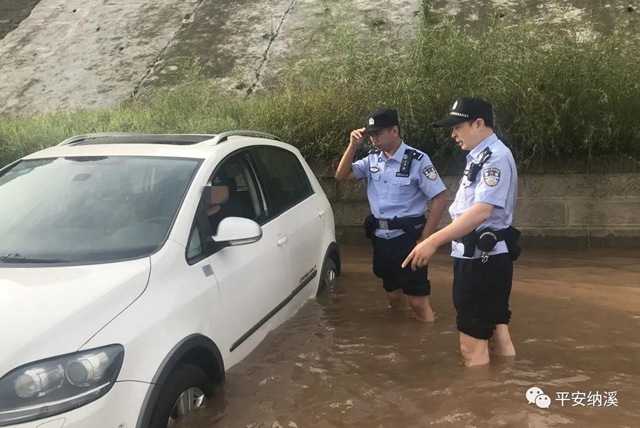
pixel 251 277
pixel 300 210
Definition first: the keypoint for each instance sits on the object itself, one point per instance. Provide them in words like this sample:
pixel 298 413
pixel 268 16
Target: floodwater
pixel 347 360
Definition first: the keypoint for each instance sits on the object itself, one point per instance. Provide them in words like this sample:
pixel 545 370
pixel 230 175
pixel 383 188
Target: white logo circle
pixel 543 401
pixel 533 393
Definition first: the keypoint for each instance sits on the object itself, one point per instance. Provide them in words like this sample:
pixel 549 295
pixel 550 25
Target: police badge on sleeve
pixel 491 176
pixel 430 172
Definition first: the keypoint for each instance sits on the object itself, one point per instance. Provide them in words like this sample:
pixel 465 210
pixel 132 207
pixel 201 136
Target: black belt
pixel 397 223
pixel 407 224
pixel 486 239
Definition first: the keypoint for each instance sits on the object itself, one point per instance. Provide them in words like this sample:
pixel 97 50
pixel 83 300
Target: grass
pixel 555 95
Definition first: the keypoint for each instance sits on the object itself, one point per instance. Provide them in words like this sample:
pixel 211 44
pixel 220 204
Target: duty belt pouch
pixel 369 226
pixel 487 241
pixel 512 236
pixel 469 241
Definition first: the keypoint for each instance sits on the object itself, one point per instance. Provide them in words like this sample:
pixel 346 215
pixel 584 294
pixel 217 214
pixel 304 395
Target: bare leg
pixel 475 351
pixel 500 343
pixel 398 300
pixel 422 308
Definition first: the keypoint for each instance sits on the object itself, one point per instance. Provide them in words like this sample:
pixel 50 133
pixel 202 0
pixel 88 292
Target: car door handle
pixel 282 241
pixel 321 213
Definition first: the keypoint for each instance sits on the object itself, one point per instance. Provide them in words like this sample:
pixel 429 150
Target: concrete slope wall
pixel 12 13
pixel 244 43
pixel 84 54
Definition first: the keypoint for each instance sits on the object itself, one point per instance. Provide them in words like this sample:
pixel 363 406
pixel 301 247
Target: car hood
pixel 46 312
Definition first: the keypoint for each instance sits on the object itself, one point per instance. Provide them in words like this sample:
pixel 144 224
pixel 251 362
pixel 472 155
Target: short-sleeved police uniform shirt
pixel 495 184
pixel 392 195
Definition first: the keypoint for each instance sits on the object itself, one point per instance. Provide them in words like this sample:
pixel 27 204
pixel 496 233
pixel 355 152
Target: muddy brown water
pixel 347 360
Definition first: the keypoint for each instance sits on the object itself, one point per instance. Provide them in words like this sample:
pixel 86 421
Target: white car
pixel 123 300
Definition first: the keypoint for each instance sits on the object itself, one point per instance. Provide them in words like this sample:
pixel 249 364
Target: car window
pixel 90 209
pixel 235 192
pixel 285 179
pixel 195 248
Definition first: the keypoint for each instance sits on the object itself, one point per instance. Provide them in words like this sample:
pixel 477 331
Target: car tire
pixel 329 274
pixel 188 383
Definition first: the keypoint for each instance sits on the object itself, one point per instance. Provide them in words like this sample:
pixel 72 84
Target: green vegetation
pixel 556 93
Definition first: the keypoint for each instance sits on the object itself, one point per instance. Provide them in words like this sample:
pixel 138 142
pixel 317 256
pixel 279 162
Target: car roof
pixel 199 146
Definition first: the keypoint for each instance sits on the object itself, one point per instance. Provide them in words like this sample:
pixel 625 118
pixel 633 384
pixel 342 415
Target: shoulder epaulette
pixel 474 167
pixel 484 156
pixel 417 155
pixel 405 166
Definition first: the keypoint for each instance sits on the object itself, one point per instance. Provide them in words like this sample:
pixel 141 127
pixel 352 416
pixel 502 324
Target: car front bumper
pixel 119 408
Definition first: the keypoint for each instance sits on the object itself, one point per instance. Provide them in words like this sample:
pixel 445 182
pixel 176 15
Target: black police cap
pixel 381 119
pixel 466 109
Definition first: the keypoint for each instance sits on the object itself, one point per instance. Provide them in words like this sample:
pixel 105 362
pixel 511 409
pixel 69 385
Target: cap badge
pixel 371 121
pixel 454 105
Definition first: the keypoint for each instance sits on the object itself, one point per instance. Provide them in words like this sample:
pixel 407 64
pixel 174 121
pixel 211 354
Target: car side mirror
pixel 237 231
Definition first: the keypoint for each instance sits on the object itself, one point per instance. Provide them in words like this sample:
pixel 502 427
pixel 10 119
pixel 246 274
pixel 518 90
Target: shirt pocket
pixel 400 189
pixel 375 180
pixel 464 194
pixel 468 194
pixel 375 177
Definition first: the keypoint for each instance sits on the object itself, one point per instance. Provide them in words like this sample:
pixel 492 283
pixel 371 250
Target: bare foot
pixel 399 305
pixel 474 351
pixel 500 343
pixel 426 316
pixel 422 308
pixel 502 349
pixel 478 361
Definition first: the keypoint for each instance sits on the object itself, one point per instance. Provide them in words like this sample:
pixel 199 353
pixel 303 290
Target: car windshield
pixel 90 209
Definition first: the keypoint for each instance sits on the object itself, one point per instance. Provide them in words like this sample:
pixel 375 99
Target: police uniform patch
pixel 491 176
pixel 430 172
pixel 374 169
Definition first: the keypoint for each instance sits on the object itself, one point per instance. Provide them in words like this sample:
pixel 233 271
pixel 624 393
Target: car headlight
pixel 57 385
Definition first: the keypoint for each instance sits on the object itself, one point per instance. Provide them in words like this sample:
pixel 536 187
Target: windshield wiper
pixel 17 258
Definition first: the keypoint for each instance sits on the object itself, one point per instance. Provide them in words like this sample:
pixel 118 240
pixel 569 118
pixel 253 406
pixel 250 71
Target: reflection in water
pixel 346 360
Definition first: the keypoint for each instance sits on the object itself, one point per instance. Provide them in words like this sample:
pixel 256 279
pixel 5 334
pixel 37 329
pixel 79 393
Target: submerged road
pixel 346 360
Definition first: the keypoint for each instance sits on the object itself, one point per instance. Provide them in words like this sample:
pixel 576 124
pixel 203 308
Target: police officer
pixel 400 179
pixel 484 244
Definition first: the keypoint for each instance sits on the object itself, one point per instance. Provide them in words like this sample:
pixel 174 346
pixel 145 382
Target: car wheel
pixel 184 391
pixel 329 274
